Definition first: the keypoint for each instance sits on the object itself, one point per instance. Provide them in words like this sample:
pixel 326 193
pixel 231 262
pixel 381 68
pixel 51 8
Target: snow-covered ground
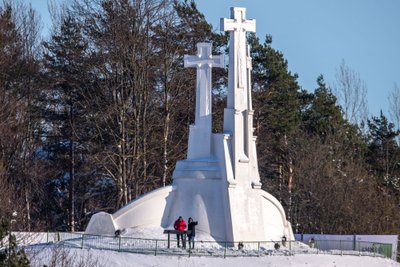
pixel 42 250
pixel 93 257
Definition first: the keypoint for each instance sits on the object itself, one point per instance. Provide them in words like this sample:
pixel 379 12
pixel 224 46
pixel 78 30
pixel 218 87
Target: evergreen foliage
pixel 323 115
pixel 384 153
pixel 10 255
pixel 277 94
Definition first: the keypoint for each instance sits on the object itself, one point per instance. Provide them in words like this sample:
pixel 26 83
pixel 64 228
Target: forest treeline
pixel 97 114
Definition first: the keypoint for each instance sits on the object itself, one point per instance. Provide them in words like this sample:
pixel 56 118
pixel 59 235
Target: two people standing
pixel 180 225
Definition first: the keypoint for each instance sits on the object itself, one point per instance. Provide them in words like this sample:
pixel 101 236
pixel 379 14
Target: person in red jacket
pixel 180 225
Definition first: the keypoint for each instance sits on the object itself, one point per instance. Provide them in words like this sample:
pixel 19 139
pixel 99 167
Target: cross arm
pixel 218 61
pixel 229 25
pixel 190 61
pixel 197 62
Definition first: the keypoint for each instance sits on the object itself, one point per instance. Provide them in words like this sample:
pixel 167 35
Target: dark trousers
pixel 183 240
pixel 191 241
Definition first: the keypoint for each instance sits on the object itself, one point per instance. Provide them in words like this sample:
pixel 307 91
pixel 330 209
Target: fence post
pixel 225 251
pixel 341 250
pixel 155 252
pixel 290 247
pixel 258 248
pixel 119 243
pixel 373 246
pixel 82 241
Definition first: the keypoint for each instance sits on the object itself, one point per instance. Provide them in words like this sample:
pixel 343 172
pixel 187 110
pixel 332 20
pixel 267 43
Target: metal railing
pixel 354 247
pixel 220 248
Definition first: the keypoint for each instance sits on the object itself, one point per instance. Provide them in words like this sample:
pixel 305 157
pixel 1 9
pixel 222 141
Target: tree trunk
pixel 72 176
pixel 290 179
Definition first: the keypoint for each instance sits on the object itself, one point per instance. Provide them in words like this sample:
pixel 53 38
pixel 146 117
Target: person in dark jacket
pixel 191 232
pixel 180 225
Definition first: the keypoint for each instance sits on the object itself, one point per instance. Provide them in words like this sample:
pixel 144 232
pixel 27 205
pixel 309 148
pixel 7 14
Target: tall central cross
pixel 238 118
pixel 204 61
pixel 237 25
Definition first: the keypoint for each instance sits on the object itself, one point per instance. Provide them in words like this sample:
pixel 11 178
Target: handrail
pixel 219 248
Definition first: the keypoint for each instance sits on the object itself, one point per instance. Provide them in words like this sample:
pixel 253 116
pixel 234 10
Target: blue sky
pixel 316 35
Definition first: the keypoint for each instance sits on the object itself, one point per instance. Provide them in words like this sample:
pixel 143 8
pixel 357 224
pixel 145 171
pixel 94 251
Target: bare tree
pixel 19 27
pixel 351 91
pixel 124 101
pixel 334 191
pixel 28 25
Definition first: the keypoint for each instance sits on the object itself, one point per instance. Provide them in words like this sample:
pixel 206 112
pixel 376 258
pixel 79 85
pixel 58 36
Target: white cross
pixel 238 25
pixel 203 61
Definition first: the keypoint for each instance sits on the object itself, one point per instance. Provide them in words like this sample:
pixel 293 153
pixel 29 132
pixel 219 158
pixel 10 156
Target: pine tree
pixel 11 255
pixel 384 153
pixel 323 116
pixel 19 78
pixel 64 107
pixel 277 95
pixel 277 103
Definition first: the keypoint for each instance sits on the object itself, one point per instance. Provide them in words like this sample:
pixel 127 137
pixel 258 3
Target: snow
pixel 112 258
pixel 70 253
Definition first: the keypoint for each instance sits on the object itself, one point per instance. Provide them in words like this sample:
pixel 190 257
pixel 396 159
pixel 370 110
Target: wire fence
pixel 220 248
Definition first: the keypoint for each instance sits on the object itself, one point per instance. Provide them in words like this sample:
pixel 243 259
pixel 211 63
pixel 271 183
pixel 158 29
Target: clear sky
pixel 316 35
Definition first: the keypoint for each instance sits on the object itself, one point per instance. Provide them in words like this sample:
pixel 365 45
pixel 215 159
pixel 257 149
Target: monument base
pixel 224 213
